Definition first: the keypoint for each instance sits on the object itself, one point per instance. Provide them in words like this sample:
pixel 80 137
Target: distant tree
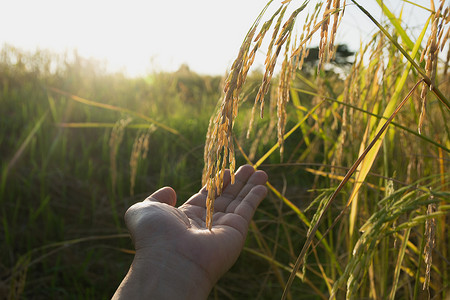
pixel 341 56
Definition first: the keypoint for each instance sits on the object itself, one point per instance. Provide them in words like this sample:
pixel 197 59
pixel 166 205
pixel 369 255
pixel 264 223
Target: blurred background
pixel 140 37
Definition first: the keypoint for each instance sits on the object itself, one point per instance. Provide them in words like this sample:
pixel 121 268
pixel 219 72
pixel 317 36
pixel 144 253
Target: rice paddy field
pixel 356 146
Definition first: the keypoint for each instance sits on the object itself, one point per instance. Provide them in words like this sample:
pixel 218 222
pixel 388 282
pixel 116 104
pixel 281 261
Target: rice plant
pixel 384 77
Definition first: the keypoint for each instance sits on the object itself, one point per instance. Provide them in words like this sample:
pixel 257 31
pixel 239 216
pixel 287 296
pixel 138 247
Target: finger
pixel 241 178
pixel 226 181
pixel 246 178
pixel 258 178
pixel 228 202
pixel 164 195
pixel 248 205
pixel 240 218
pixel 198 200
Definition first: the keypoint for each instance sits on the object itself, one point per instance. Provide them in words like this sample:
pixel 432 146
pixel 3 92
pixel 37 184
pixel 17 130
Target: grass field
pixel 80 145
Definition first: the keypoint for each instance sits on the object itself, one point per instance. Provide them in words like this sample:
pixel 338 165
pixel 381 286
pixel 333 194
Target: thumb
pixel 164 195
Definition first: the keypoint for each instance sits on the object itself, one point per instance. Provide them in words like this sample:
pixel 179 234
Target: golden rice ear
pixel 327 37
pixel 219 149
pixel 430 233
pixel 434 42
pixel 423 97
pixel 115 140
pixel 139 151
pixel 283 98
pixel 324 35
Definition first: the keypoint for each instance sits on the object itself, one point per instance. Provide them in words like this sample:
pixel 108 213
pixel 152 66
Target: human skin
pixel 177 257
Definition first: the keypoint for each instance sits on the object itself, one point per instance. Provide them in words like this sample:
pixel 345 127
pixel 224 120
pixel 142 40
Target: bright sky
pixel 139 37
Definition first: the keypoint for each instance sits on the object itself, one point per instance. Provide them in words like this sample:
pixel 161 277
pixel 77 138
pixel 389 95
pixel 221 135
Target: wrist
pixel 164 277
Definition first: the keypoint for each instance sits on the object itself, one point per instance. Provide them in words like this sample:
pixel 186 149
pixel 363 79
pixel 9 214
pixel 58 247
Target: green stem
pixel 422 72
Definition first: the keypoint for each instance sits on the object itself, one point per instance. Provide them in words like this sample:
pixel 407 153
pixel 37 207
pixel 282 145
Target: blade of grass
pixel 328 281
pixel 101 125
pixel 7 168
pixel 441 239
pixel 339 177
pixel 401 255
pixel 419 265
pixel 353 199
pixel 395 22
pixel 415 4
pixel 27 140
pixel 119 109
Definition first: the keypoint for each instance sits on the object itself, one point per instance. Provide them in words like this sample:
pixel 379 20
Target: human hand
pixel 176 255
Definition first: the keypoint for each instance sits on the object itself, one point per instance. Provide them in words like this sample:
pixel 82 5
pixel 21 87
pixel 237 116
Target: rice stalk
pixel 258 41
pixel 324 34
pixel 278 40
pixel 438 21
pixel 139 151
pixel 219 144
pixel 430 233
pixel 18 278
pixel 327 36
pixel 286 135
pixel 219 147
pixel 307 33
pixel 324 202
pixel 283 97
pixel 115 140
pixel 337 17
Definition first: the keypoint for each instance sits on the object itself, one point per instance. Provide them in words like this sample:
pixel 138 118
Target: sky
pixel 141 37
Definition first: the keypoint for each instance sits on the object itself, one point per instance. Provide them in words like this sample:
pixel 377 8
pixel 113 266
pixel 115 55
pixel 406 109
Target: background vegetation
pixel 79 146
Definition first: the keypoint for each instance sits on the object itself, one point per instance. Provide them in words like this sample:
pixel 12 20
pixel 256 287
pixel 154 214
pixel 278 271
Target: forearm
pixel 163 279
